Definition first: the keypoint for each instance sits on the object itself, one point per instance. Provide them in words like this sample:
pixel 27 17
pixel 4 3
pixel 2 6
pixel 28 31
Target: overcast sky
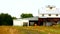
pixel 16 7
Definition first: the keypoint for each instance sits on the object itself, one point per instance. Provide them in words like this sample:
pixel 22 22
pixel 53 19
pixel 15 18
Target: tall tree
pixel 26 15
pixel 6 19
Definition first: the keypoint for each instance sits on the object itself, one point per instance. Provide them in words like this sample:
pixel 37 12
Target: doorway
pixel 33 22
pixel 41 23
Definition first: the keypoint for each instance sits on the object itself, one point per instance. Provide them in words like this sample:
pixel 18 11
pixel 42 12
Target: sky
pixel 17 7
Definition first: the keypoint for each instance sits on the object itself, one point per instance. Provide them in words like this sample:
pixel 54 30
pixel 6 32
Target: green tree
pixel 5 19
pixel 14 17
pixel 26 15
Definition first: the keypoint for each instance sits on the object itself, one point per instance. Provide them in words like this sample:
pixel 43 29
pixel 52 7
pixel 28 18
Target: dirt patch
pixel 8 30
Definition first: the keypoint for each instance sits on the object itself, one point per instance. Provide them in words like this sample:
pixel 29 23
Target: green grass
pixel 30 30
pixel 40 30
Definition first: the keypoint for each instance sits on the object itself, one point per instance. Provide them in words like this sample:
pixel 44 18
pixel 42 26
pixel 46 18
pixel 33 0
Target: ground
pixel 30 29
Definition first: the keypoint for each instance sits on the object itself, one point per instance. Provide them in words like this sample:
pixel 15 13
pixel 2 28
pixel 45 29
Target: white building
pixel 25 21
pixel 19 22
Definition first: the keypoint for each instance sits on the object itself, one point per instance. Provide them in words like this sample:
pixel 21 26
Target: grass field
pixel 29 30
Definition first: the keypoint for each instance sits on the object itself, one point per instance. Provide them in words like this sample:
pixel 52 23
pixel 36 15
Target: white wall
pixel 26 21
pixel 47 15
pixel 19 22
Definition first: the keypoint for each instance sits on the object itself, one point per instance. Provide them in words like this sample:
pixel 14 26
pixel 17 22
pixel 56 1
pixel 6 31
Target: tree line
pixel 6 19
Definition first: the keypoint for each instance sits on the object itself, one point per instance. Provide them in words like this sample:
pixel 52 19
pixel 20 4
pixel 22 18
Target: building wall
pixel 49 9
pixel 25 21
pixel 20 22
pixel 47 15
pixel 17 23
pixel 49 21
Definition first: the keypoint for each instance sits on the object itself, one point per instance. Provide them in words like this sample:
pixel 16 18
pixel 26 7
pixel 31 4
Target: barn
pixel 47 16
pixel 25 21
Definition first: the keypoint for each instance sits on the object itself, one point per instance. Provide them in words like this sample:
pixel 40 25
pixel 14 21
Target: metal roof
pixel 32 18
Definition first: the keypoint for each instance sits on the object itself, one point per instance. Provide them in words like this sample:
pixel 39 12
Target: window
pixel 31 23
pixel 25 23
pixel 56 14
pixel 42 14
pixel 49 14
pixel 51 7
